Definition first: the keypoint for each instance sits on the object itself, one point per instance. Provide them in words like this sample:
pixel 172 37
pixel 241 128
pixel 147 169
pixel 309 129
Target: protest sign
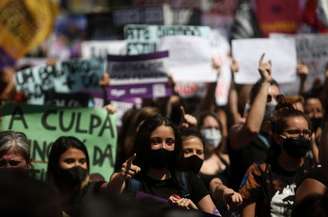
pixel 190 58
pixel 100 49
pixel 23 26
pixel 43 125
pixel 63 77
pixel 282 53
pixel 311 51
pixel 137 75
pixel 150 90
pixel 145 38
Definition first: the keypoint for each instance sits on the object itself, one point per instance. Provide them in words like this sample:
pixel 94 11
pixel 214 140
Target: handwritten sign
pixel 281 51
pixel 145 38
pixel 63 77
pixel 43 125
pixel 190 58
pixel 311 50
pixel 138 76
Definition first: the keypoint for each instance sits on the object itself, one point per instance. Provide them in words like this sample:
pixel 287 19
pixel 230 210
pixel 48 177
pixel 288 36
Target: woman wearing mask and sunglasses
pixel 269 188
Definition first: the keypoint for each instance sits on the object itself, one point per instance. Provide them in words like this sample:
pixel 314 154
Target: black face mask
pixel 161 158
pixel 296 147
pixel 192 163
pixel 73 176
pixel 316 123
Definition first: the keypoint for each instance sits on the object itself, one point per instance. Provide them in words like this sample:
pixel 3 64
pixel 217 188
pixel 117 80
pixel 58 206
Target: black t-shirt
pixel 196 190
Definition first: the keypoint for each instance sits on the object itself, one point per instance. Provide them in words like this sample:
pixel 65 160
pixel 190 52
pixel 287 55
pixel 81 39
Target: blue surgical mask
pixel 212 136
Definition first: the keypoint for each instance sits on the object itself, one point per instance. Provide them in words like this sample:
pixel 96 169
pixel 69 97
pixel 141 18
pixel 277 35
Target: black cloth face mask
pixel 73 176
pixel 296 147
pixel 161 158
pixel 192 163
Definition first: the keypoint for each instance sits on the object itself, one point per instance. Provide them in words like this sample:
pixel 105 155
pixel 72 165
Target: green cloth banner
pixel 42 125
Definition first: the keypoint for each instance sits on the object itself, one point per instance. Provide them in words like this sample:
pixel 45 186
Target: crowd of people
pixel 262 154
pixel 271 161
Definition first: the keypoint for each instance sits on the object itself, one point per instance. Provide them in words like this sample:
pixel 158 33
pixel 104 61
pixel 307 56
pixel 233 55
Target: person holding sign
pixel 14 150
pixel 249 141
pixel 68 173
pixel 152 169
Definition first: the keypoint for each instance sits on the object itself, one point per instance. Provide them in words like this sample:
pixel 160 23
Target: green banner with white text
pixel 42 125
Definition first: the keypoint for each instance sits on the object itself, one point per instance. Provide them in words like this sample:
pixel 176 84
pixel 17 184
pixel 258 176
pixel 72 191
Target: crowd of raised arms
pixel 262 153
pixel 269 161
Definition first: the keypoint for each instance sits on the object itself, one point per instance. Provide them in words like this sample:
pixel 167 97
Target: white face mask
pixel 212 136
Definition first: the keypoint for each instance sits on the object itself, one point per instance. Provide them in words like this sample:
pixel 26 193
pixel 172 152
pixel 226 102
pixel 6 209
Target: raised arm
pixel 244 134
pixel 302 72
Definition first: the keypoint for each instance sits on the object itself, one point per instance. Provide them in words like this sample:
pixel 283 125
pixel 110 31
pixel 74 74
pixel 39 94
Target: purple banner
pixel 137 69
pixel 149 90
pixel 139 57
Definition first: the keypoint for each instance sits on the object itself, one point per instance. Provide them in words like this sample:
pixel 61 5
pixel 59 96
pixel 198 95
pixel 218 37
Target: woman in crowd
pixel 14 150
pixel 68 173
pixel 216 161
pixel 269 188
pixel 130 121
pixel 193 149
pixel 249 142
pixel 153 168
pixel 316 181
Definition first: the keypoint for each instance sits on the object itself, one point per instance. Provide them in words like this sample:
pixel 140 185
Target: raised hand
pixel 104 80
pixel 234 66
pixel 111 108
pixel 302 70
pixel 187 119
pixel 216 62
pixel 129 169
pixel 265 69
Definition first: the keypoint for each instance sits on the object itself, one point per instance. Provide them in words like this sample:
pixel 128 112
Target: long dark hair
pixel 142 140
pixel 61 145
